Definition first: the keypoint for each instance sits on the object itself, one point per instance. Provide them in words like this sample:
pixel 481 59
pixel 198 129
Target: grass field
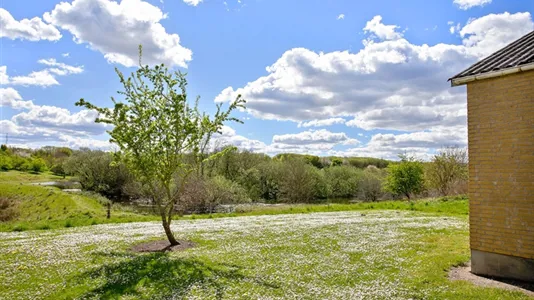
pixel 333 255
pixel 43 207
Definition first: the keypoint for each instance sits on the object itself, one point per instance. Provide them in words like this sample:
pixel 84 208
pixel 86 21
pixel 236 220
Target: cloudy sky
pixel 326 77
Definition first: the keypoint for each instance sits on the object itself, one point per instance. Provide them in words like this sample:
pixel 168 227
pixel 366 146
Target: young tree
pixel 448 167
pixel 405 178
pixel 156 129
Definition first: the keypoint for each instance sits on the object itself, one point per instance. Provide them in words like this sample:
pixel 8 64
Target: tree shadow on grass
pixel 161 276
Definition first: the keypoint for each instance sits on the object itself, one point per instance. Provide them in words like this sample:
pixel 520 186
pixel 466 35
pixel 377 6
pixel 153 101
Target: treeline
pixel 236 176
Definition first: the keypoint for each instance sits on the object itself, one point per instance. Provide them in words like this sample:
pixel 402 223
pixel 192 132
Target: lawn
pixel 374 254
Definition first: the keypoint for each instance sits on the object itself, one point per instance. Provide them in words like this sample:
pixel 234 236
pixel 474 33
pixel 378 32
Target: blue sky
pixel 361 78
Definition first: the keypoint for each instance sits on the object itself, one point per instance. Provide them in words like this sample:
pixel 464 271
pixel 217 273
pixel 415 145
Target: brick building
pixel 500 114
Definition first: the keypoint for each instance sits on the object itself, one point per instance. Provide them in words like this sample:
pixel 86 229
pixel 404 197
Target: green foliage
pixel 269 180
pixel 336 162
pixel 35 165
pixel 364 162
pixel 343 181
pixel 297 181
pixel 3 148
pixel 447 170
pixel 405 178
pixel 224 191
pixel 156 128
pixel 96 172
pixel 6 163
pixel 370 185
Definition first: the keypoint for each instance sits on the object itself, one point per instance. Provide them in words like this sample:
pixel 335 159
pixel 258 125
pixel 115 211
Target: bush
pixel 343 181
pixel 405 178
pixel 6 163
pixel 204 195
pixel 8 209
pixel 321 188
pixel 447 172
pixel 250 180
pixel 96 173
pixel 270 178
pixel 35 165
pixel 370 185
pixel 297 181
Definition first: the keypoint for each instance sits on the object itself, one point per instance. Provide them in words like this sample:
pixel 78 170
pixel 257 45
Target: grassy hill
pixel 27 206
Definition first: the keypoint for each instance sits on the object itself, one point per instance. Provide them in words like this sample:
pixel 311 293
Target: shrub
pixel 370 185
pixel 297 181
pixel 343 181
pixel 270 178
pixel 6 163
pixel 321 188
pixel 447 172
pixel 36 165
pixel 8 209
pixel 96 173
pixel 250 180
pixel 405 178
pixel 204 195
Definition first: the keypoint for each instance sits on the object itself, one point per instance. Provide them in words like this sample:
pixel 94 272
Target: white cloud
pixel 311 137
pixel 46 125
pixel 492 32
pixel 116 30
pixel 454 29
pixel 9 97
pixel 75 142
pixel 32 30
pixel 316 142
pixel 67 54
pixel 41 78
pixel 341 16
pixel 421 144
pixel 383 32
pixel 192 2
pixel 4 78
pixel 60 68
pixel 322 123
pixel 390 84
pixel 467 4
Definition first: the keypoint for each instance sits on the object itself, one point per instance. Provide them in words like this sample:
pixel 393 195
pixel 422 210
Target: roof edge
pixel 464 80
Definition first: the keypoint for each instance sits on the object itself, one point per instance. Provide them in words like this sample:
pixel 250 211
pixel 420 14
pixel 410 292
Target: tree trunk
pixel 168 232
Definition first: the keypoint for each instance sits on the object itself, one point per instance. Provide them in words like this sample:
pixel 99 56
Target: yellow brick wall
pixel 501 164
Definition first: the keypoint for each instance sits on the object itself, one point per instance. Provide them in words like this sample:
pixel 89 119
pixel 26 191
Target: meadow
pixel 60 245
pixel 334 255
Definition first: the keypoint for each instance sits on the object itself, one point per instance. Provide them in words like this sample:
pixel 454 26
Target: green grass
pixel 41 207
pixel 27 177
pixel 337 255
pixel 457 205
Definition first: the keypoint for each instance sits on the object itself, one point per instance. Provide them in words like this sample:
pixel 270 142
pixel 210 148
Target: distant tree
pixel 342 181
pixel 96 172
pixel 6 163
pixel 370 185
pixel 3 148
pixel 297 181
pixel 448 166
pixel 405 178
pixel 337 162
pixel 156 129
pixel 36 165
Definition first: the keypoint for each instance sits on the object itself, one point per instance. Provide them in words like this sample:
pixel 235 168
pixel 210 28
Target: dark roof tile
pixel 518 53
